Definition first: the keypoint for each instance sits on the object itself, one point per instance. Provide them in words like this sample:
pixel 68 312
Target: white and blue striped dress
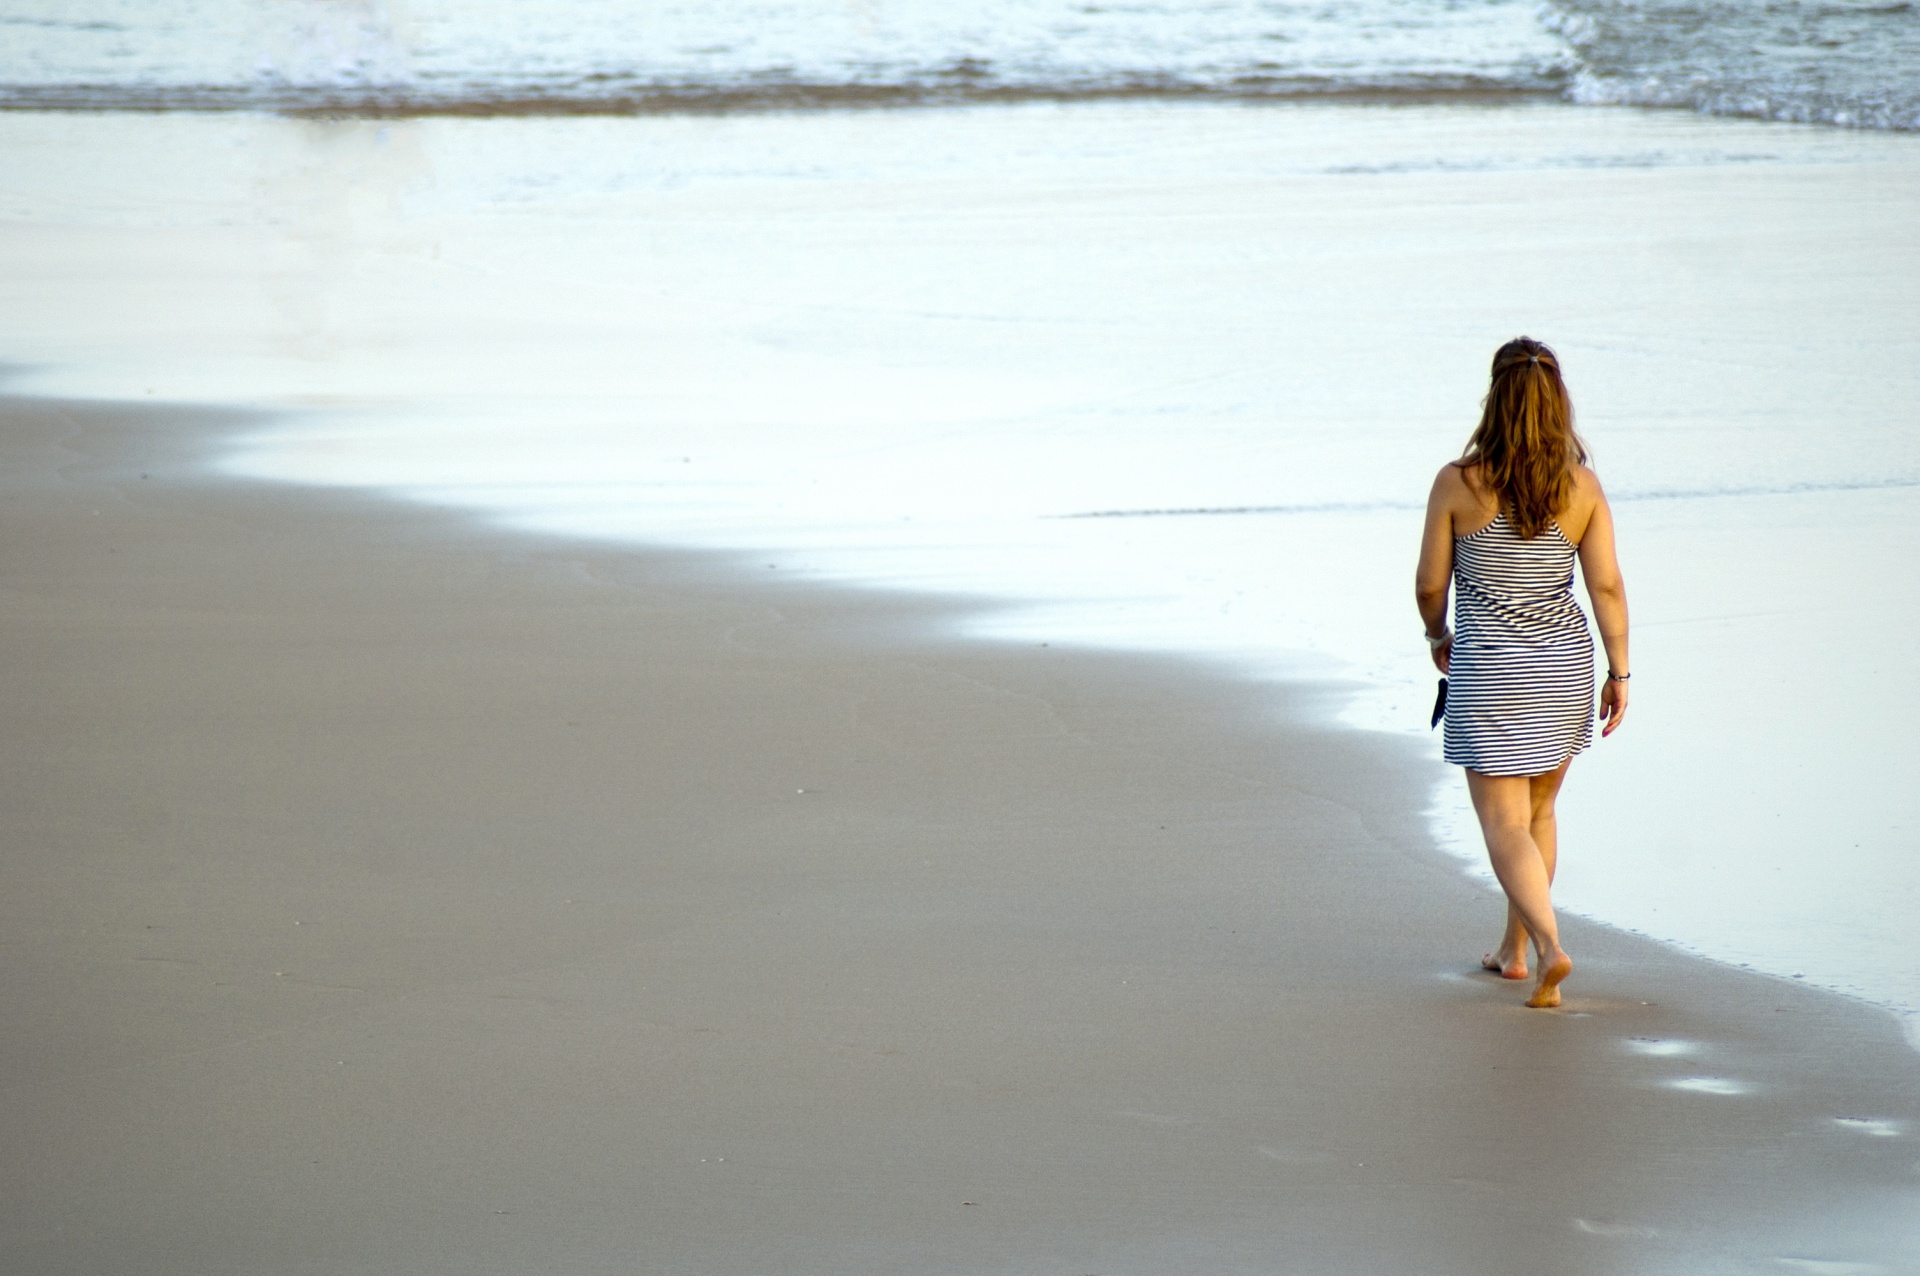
pixel 1520 680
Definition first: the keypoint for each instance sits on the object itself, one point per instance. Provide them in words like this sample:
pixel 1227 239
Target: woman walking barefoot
pixel 1504 524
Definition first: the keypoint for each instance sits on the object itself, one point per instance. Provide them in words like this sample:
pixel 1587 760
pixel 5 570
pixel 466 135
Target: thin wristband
pixel 1434 644
pixel 1617 677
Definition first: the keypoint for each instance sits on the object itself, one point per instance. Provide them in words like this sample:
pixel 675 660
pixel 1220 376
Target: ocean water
pixel 1162 376
pixel 1847 62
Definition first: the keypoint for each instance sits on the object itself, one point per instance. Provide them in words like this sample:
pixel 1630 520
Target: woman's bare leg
pixel 1510 958
pixel 1505 805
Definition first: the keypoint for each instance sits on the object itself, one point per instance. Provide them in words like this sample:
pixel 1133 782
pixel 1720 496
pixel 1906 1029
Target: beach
pixel 741 637
pixel 799 693
pixel 1151 377
pixel 389 891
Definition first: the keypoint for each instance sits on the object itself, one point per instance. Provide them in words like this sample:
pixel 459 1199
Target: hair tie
pixel 1533 358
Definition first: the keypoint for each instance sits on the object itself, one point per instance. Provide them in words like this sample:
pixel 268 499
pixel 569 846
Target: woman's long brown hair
pixel 1525 447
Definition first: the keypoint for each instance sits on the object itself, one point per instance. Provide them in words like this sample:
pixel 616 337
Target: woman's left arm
pixel 1608 590
pixel 1435 572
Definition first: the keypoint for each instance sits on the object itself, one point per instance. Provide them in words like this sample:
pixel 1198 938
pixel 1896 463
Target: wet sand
pixel 384 892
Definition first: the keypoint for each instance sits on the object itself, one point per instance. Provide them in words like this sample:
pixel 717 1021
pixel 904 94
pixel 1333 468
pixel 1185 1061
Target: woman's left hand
pixel 1443 655
pixel 1613 705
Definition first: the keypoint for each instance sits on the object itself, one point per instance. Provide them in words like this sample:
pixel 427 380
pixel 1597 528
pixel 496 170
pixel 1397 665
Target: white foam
pixel 489 50
pixel 1710 1085
pixel 1870 1126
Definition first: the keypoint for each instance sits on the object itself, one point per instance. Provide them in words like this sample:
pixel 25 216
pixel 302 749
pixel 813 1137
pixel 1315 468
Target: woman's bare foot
pixel 1507 965
pixel 1546 993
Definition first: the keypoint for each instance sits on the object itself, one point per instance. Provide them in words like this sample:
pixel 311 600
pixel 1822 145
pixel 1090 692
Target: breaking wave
pixel 1814 61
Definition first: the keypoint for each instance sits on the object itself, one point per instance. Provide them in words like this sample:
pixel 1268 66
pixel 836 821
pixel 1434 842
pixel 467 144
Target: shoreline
pixel 806 99
pixel 393 889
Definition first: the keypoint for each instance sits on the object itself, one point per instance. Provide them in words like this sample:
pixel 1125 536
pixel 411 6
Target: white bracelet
pixel 1434 644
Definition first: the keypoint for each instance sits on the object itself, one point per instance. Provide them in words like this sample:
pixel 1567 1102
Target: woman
pixel 1505 522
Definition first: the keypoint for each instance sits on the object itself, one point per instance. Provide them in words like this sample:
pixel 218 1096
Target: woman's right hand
pixel 1443 655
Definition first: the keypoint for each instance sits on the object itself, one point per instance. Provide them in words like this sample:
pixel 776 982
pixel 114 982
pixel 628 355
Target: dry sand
pixel 386 893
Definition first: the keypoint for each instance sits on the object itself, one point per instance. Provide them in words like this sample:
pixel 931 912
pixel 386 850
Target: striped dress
pixel 1520 682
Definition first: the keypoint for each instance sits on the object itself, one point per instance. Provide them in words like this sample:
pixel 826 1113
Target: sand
pixel 389 893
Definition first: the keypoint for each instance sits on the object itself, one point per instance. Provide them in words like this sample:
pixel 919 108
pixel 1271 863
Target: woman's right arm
pixel 1608 591
pixel 1435 572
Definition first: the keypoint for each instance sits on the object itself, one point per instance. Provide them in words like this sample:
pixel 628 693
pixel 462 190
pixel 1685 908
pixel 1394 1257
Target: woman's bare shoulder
pixel 1582 501
pixel 1456 488
pixel 1460 500
pixel 1587 491
pixel 1452 481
